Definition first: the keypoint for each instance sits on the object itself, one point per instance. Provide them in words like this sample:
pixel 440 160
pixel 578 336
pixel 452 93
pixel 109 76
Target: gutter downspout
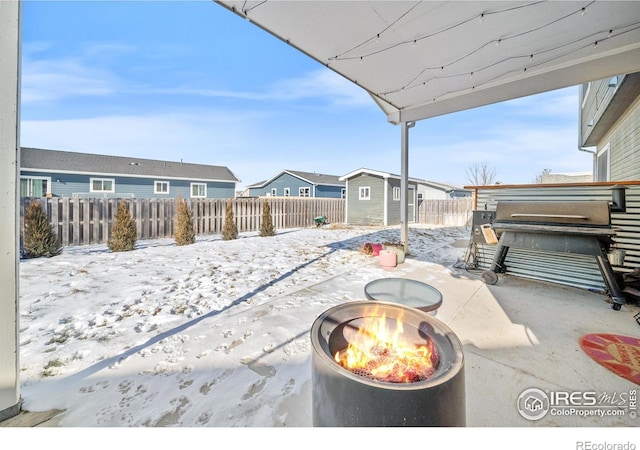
pixel 594 163
pixel 580 146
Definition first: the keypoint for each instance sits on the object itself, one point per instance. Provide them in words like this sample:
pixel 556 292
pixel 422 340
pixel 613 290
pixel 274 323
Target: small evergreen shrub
pixel 266 227
pixel 229 230
pixel 39 239
pixel 124 233
pixel 185 234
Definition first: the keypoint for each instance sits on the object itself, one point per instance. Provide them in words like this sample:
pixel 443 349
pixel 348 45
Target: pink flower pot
pixel 388 258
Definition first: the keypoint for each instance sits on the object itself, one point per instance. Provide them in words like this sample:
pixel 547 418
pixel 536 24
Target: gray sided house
pixel 430 190
pixel 373 198
pixel 610 126
pixel 54 173
pixel 293 183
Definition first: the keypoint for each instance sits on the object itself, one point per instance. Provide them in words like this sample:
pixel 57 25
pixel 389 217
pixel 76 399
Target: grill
pixel 582 227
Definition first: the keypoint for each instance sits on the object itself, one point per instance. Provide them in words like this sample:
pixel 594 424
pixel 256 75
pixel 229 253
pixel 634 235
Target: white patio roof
pixel 420 59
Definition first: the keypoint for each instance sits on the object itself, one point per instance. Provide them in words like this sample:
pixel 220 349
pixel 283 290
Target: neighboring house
pixel 610 126
pixel 430 190
pixel 293 183
pixel 373 198
pixel 70 174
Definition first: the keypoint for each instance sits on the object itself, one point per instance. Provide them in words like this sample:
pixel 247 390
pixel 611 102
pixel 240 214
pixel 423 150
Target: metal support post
pixel 404 186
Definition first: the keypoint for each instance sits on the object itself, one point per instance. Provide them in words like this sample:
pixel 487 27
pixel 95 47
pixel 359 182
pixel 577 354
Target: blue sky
pixel 189 80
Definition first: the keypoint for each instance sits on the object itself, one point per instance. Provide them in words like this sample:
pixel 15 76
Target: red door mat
pixel 619 354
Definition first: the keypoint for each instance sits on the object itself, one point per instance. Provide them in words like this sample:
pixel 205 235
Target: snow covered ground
pixel 214 334
pixel 208 344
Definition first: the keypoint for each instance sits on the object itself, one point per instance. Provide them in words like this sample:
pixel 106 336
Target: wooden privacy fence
pixel 455 212
pixel 82 221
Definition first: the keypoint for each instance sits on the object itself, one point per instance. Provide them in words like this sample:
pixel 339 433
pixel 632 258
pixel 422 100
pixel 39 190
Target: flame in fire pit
pixel 379 349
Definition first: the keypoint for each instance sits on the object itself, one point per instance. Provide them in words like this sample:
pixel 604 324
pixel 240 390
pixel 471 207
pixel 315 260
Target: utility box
pixel 481 217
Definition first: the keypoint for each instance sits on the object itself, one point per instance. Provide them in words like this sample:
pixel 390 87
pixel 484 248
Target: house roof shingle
pixel 318 178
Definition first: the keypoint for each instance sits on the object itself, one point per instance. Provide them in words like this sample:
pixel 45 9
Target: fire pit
pixel 385 364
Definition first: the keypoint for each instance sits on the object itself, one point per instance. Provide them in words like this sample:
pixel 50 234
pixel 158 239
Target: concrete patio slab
pixel 517 335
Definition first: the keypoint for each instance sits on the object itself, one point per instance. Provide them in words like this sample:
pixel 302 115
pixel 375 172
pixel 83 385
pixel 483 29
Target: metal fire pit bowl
pixel 343 399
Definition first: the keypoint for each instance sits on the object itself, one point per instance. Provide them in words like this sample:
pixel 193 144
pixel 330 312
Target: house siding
pixel 365 212
pixel 429 193
pixel 285 180
pixel 329 191
pixel 412 198
pixel 439 191
pixel 73 184
pixel 598 95
pixel 393 206
pixel 610 120
pixel 624 142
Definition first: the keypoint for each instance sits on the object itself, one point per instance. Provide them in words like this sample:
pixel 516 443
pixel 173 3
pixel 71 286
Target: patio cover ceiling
pixel 420 59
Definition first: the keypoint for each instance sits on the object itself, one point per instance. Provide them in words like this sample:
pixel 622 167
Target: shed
pixel 373 198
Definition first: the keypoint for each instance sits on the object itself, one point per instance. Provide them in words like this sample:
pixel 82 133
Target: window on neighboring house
pixel 396 193
pixel 198 190
pixel 343 193
pixel 161 187
pixel 102 185
pixel 34 187
pixel 365 193
pixel 602 164
pixel 304 192
pixel 274 192
pixel 287 192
